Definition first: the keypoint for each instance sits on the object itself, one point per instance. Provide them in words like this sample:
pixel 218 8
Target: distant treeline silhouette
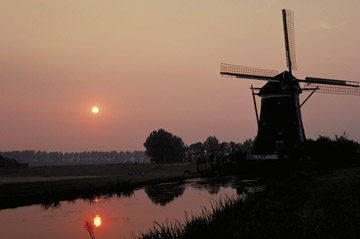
pixel 164 147
pixel 43 158
pixel 209 151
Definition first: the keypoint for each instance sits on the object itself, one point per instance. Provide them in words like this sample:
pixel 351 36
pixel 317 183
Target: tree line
pixel 164 147
pixel 43 158
pixel 161 147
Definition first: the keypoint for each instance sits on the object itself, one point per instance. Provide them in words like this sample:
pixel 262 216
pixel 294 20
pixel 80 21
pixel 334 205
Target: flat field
pixel 115 171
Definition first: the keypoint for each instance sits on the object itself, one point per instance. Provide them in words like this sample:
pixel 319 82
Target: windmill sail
pixel 331 86
pixel 289 34
pixel 331 82
pixel 247 72
pixel 280 126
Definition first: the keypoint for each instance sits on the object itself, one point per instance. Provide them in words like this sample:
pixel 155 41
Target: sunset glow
pixel 97 221
pixel 95 110
pixel 153 65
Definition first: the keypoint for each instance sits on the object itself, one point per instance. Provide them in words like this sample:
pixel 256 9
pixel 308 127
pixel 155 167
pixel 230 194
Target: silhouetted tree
pixel 211 146
pixel 215 154
pixel 248 145
pixel 329 152
pixel 195 151
pixel 163 147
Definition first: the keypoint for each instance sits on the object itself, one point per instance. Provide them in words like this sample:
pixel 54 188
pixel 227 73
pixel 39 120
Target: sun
pixel 95 109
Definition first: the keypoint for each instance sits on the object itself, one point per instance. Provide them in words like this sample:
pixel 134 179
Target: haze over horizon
pixel 155 64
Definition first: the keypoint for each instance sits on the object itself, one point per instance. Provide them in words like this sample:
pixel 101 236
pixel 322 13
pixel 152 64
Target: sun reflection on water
pixel 96 200
pixel 97 221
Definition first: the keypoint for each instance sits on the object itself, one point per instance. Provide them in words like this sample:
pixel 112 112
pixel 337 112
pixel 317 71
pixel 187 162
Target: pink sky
pixel 155 64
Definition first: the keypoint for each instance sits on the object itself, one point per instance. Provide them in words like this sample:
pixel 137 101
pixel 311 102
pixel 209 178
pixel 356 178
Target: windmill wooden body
pixel 280 126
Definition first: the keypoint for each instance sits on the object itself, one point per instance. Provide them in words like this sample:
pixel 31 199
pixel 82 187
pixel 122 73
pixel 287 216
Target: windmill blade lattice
pixel 247 72
pixel 288 21
pixel 331 86
pixel 332 89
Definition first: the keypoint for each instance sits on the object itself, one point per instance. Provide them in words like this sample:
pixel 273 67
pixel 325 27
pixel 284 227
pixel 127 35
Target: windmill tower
pixel 280 125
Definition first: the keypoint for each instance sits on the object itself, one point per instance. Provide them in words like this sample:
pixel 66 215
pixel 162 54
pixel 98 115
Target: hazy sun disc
pixel 95 109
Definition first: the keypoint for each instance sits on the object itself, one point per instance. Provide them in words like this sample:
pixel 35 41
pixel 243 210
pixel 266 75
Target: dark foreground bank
pixel 306 204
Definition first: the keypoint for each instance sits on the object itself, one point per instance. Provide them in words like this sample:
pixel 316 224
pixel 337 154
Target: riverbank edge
pixel 91 184
pixel 295 204
pixel 69 183
pixel 50 193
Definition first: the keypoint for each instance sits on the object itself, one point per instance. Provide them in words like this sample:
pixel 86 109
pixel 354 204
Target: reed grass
pixel 89 227
pixel 307 205
pixel 194 225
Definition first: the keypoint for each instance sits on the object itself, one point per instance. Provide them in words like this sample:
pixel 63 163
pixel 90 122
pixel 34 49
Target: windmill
pixel 280 125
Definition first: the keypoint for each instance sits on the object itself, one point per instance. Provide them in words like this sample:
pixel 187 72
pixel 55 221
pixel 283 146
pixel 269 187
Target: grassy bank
pixel 307 204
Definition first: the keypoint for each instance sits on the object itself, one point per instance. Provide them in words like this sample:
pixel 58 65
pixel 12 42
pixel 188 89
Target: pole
pixel 256 111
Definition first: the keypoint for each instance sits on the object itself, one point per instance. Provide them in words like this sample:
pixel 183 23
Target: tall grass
pixel 89 227
pixel 195 226
pixel 310 205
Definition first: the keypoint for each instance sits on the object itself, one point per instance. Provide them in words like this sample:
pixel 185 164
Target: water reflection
pixel 97 221
pixel 97 200
pixel 210 185
pixel 50 205
pixel 213 185
pixel 250 185
pixel 164 193
pixel 93 199
pixel 118 190
pixel 120 217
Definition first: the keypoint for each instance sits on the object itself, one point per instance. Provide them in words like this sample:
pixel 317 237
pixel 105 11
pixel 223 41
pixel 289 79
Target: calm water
pixel 122 217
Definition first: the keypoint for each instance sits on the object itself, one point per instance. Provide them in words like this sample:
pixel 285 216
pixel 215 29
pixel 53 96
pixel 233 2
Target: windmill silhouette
pixel 280 126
